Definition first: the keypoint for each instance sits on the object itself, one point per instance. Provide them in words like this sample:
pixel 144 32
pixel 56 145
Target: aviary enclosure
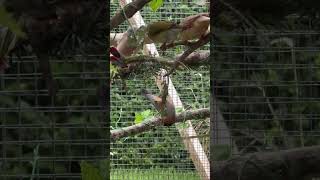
pixel 179 151
pixel 267 95
pixel 266 91
pixel 47 137
pixel 53 94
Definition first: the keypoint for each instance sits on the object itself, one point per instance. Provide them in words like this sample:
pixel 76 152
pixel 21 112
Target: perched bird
pixel 164 32
pixel 194 27
pixel 164 107
pixel 116 57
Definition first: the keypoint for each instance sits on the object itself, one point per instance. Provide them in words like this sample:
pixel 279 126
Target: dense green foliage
pixel 31 121
pixel 70 126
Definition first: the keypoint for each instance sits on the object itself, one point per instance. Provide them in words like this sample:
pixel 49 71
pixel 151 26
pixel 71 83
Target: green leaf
pixel 113 71
pixel 155 4
pixel 146 113
pixel 139 117
pixel 89 172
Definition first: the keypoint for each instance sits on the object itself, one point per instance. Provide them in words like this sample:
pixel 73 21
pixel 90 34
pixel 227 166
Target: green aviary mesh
pixel 160 153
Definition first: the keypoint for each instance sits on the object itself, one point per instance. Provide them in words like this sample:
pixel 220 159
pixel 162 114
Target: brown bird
pixel 164 32
pixel 194 27
pixel 166 109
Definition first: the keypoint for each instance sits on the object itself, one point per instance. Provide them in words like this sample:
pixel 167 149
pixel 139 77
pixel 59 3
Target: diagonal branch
pixel 157 121
pixel 190 50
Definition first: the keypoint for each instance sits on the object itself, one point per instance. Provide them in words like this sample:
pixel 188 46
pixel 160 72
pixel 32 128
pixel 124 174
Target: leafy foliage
pixel 114 70
pixel 155 4
pixel 265 76
pixel 82 91
pixel 141 116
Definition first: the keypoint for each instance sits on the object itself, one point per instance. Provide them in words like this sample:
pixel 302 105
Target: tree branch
pixel 157 121
pixel 295 164
pixel 128 11
pixel 143 59
pixel 194 59
pixel 190 50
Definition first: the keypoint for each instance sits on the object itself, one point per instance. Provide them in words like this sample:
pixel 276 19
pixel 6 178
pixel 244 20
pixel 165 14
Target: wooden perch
pixel 295 164
pixel 127 12
pixel 154 122
pixel 195 59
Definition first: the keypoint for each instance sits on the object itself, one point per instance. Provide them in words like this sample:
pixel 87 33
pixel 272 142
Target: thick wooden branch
pixel 194 59
pixel 295 164
pixel 134 63
pixel 157 121
pixel 127 12
pixel 149 59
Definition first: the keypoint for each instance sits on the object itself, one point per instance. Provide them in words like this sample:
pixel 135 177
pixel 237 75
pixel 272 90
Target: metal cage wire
pixel 159 154
pixel 266 91
pixel 47 137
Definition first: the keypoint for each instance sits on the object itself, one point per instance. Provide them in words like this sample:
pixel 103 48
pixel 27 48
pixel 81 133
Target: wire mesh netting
pixel 46 137
pixel 160 153
pixel 161 150
pixel 266 91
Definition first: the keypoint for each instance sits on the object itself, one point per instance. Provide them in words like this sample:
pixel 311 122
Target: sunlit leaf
pixel 155 4
pixel 141 116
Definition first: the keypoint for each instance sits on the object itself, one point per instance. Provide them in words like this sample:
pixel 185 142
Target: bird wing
pixel 159 26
